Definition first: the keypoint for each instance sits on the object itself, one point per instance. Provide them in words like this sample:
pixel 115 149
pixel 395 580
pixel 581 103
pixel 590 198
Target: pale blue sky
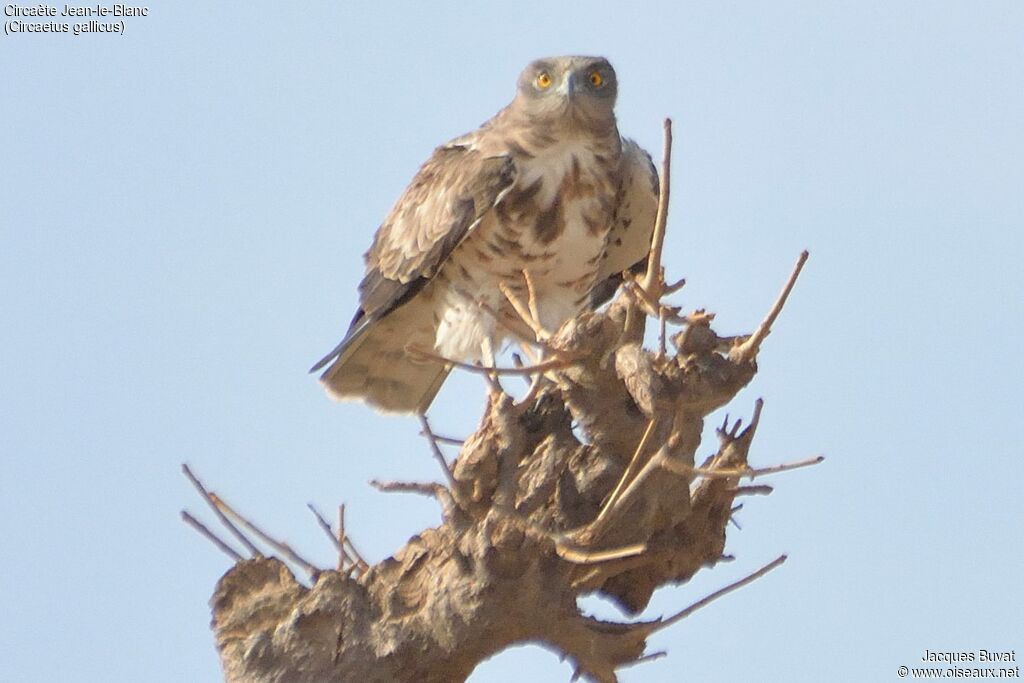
pixel 183 212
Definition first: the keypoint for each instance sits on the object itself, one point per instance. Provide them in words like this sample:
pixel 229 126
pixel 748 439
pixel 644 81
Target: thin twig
pixel 646 658
pixel 593 531
pixel 656 461
pixel 760 490
pixel 748 349
pixel 431 489
pixel 208 497
pixel 729 436
pixel 755 419
pixel 565 548
pixel 595 527
pixel 439 456
pixel 279 546
pixel 740 472
pixel 341 534
pixel 210 536
pixel 447 440
pixel 662 330
pixel 679 616
pixel 652 282
pixel 653 463
pixel 559 363
pixel 582 556
pixel 732 515
pixel 675 286
pixel 652 306
pixel 361 564
pixel 335 540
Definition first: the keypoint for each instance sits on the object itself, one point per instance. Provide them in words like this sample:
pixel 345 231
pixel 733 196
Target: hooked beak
pixel 568 88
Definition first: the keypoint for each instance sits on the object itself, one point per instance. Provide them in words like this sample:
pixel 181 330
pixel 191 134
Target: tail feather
pixel 373 366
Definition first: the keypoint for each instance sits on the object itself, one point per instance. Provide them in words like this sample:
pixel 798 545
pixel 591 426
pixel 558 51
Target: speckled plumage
pixel 546 185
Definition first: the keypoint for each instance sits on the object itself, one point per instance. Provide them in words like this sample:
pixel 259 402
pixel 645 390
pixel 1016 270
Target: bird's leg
pixel 523 310
pixel 487 356
pixel 529 313
pixel 531 301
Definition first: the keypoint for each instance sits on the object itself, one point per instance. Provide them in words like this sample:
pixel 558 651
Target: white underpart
pixel 572 249
pixel 464 326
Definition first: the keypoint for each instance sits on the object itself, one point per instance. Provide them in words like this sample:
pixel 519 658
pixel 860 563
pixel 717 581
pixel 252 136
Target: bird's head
pixel 576 91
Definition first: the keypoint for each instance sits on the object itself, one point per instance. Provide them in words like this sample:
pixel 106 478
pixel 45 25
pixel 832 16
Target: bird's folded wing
pixel 446 200
pixel 629 240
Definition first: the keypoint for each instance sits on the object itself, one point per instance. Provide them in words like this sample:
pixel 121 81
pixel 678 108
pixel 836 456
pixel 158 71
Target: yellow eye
pixel 544 80
pixel 596 79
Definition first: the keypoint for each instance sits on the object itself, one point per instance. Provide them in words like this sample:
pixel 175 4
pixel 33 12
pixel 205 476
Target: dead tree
pixel 587 486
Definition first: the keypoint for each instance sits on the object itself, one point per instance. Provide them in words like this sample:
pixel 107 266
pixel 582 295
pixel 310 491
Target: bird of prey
pixel 546 195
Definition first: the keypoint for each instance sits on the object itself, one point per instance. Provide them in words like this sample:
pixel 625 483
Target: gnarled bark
pixel 532 524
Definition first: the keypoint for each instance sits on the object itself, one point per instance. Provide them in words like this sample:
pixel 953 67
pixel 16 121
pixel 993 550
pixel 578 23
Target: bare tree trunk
pixel 534 517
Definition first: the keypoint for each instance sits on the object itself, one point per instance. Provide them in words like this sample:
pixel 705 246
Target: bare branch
pixel 762 490
pixel 662 329
pixel 341 536
pixel 208 497
pixel 360 564
pixel 336 541
pixel 679 616
pixel 648 658
pixel 430 489
pixel 675 286
pixel 741 472
pixel 277 545
pixel 755 419
pixel 656 461
pixel 446 440
pixel 747 351
pixel 581 556
pixel 212 537
pixel 651 306
pixel 593 529
pixel 439 456
pixel 564 361
pixel 653 282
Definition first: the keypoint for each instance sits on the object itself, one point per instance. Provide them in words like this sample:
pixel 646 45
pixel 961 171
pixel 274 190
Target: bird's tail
pixel 375 367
